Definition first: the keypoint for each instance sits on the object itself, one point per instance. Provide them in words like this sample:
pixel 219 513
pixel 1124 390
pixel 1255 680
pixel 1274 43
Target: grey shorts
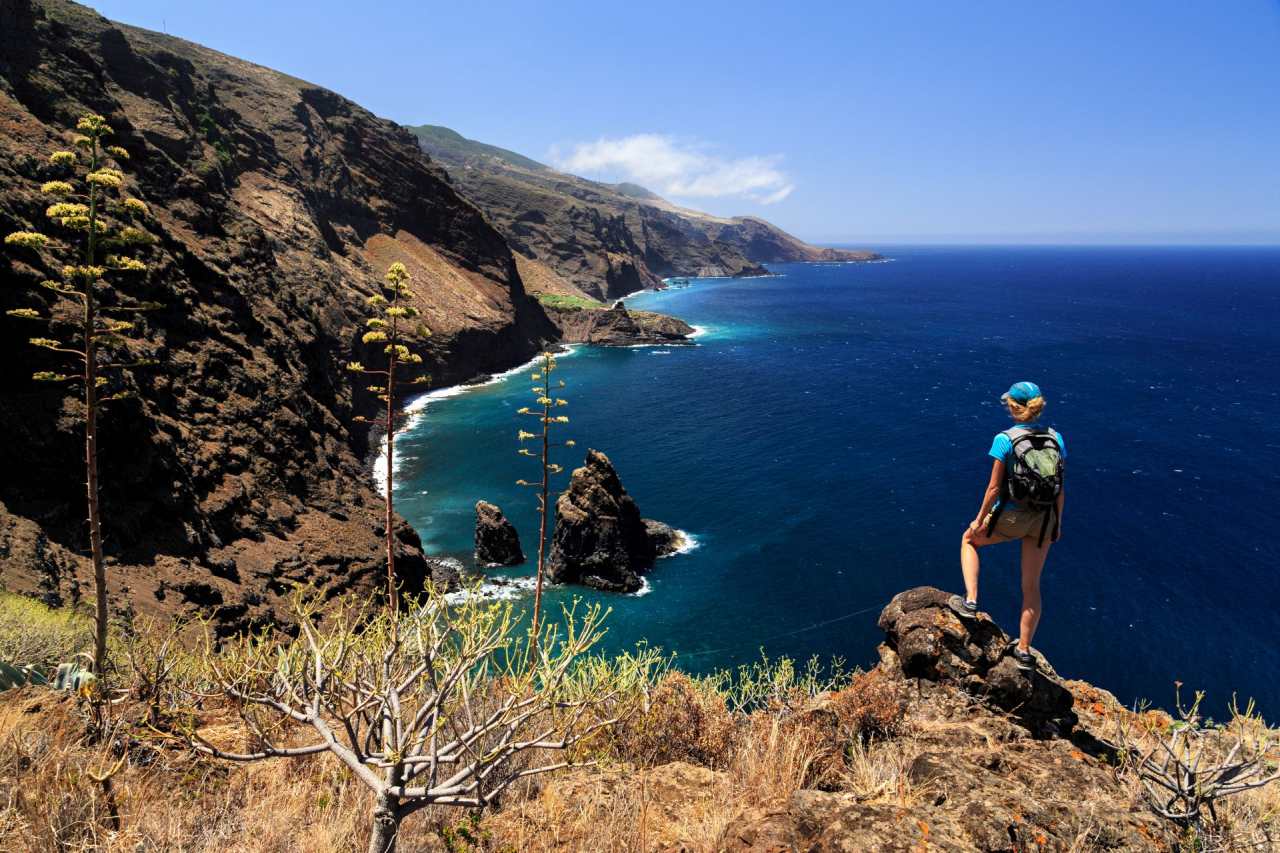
pixel 1018 524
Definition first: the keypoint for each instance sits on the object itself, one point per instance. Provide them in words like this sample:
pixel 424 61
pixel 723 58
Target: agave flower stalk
pixel 544 412
pixel 389 326
pixel 89 206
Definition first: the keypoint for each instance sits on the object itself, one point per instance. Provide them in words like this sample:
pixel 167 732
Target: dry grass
pixel 681 774
pixel 684 720
pixel 168 799
pixel 1247 821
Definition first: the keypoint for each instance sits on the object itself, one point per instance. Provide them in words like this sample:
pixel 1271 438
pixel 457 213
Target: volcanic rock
pixel 600 539
pixel 497 543
pixel 445 573
pixel 665 538
pixel 926 639
pixel 617 326
pixel 236 462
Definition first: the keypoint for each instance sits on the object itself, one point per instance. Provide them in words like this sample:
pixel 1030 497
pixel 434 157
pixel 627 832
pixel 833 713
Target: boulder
pixel 497 543
pixel 445 573
pixel 930 641
pixel 600 540
pixel 665 538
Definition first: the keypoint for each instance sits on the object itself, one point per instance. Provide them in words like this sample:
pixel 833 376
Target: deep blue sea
pixel 825 442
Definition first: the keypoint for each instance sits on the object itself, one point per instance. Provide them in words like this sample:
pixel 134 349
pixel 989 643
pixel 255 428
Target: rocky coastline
pixel 238 466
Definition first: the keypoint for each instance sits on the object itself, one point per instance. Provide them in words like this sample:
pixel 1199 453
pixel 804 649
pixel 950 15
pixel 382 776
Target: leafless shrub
pixel 1185 768
pixel 436 705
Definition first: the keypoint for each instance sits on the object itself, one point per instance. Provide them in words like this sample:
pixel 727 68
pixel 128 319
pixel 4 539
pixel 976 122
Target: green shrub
pixel 36 635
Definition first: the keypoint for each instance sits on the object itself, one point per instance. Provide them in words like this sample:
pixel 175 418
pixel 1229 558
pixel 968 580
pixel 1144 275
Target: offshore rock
pixel 445 573
pixel 665 538
pixel 617 326
pixel 497 542
pixel 925 639
pixel 600 540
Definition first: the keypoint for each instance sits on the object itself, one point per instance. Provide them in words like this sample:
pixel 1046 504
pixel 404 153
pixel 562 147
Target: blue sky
pixel 844 121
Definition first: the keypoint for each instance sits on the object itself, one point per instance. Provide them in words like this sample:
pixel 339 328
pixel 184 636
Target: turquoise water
pixel 825 444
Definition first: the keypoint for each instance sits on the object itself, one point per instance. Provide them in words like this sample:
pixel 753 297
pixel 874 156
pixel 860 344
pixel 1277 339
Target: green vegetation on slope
pixel 569 303
pixel 34 634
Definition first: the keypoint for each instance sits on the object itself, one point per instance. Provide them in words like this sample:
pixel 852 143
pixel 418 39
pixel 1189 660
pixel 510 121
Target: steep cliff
pixel 277 206
pixel 606 240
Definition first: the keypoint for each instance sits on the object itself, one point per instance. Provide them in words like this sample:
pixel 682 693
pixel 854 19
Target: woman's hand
pixel 976 525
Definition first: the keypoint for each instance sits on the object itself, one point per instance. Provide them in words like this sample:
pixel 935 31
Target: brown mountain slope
pixel 606 240
pixel 277 206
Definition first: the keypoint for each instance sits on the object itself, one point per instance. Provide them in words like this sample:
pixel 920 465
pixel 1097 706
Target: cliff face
pixel 606 240
pixel 277 206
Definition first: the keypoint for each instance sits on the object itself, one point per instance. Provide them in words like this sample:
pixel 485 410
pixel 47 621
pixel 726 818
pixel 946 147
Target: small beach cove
pixel 787 443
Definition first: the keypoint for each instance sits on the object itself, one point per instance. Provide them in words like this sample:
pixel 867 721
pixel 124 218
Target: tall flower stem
pixel 91 438
pixel 543 498
pixel 545 403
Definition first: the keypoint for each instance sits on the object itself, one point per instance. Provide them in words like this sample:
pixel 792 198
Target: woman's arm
pixel 992 494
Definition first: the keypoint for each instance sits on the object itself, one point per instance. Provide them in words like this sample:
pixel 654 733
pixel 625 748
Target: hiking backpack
pixel 1034 474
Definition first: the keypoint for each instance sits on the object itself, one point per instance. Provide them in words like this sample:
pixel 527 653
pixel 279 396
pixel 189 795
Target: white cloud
pixel 671 168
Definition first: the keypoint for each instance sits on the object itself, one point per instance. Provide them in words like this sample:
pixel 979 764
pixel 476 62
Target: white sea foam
pixel 506 590
pixel 688 542
pixel 698 331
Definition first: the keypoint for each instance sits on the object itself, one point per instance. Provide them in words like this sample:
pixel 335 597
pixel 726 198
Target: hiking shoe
pixel 964 609
pixel 1026 661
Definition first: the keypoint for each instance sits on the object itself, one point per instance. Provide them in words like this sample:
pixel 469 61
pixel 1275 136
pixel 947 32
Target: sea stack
pixel 497 542
pixel 600 540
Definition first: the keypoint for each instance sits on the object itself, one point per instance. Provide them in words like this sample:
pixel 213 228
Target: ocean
pixel 825 444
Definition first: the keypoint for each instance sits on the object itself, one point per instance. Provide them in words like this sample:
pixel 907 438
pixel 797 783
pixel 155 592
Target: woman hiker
pixel 1023 502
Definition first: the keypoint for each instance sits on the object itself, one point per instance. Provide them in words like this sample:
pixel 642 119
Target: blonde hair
pixel 1026 412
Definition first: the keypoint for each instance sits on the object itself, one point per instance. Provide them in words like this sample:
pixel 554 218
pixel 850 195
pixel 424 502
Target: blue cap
pixel 1021 392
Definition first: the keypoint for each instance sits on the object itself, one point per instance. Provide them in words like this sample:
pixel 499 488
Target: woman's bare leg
pixel 970 542
pixel 1033 557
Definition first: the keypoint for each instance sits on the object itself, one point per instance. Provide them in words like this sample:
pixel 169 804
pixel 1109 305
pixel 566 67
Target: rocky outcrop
pixel 445 573
pixel 607 240
pixel 497 542
pixel 600 539
pixel 921 753
pixel 665 538
pixel 925 639
pixel 278 205
pixel 617 326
